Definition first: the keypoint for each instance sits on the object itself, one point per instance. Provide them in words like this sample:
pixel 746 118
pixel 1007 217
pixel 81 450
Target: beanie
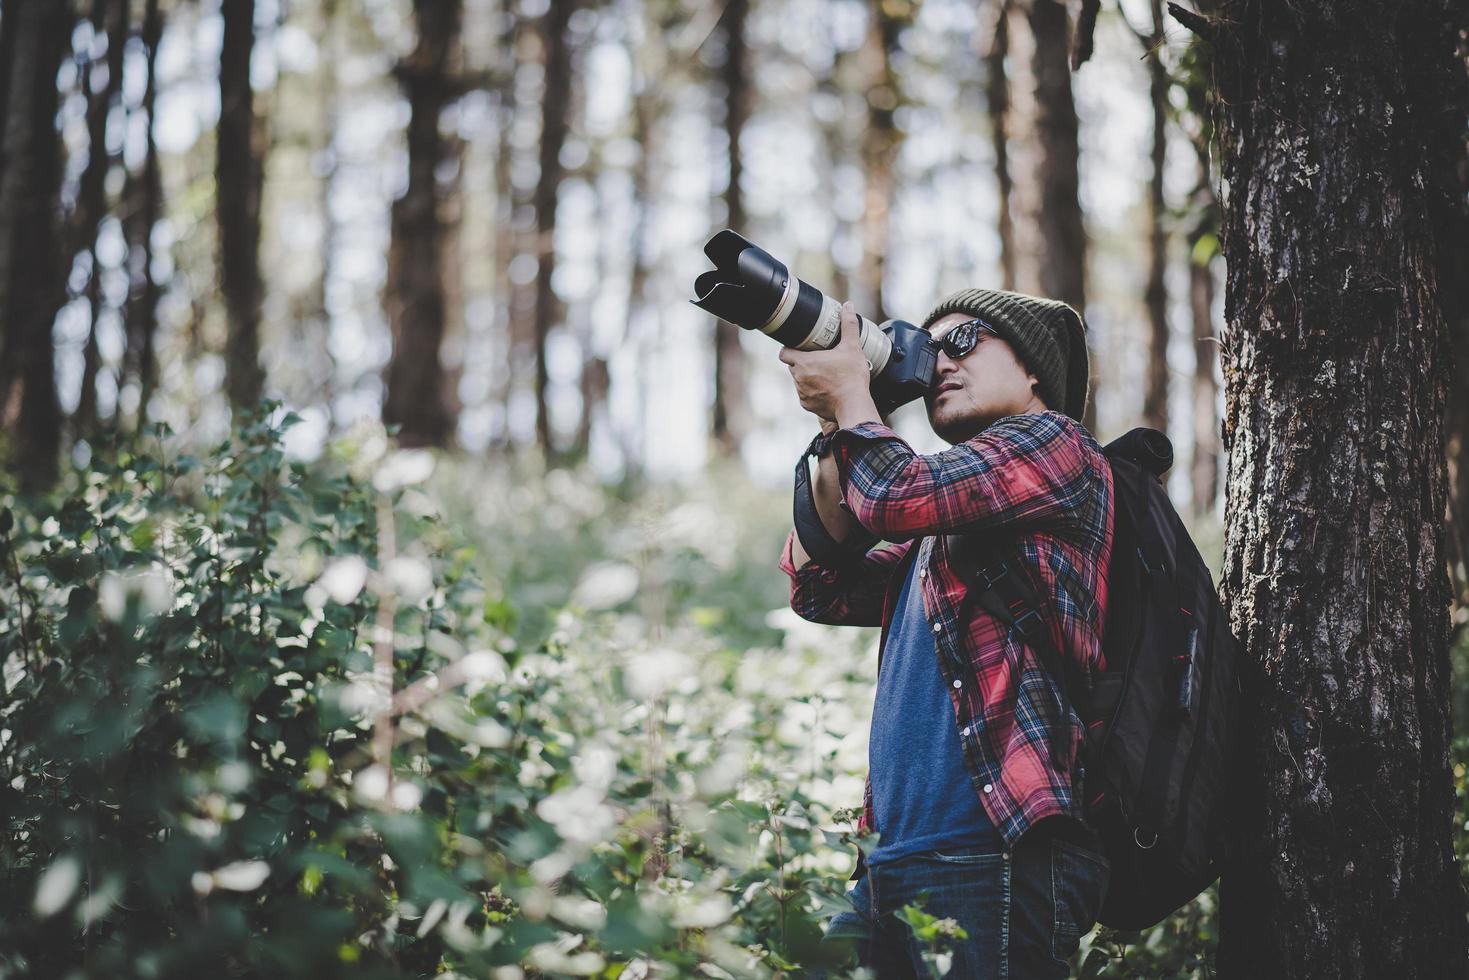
pixel 1048 335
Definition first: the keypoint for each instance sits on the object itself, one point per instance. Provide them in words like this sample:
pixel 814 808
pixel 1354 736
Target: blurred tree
pixel 238 173
pixel 555 106
pixel 34 36
pixel 140 317
pixel 1202 248
pixel 1155 294
pixel 109 22
pixel 516 305
pixel 1049 236
pixel 997 100
pixel 730 409
pixel 418 398
pixel 881 140
pixel 1193 79
pixel 1342 144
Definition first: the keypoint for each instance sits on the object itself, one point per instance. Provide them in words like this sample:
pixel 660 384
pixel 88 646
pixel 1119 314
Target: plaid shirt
pixel 1038 486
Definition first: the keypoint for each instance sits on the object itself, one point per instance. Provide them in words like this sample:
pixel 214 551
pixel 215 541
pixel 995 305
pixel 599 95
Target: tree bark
pixel 555 103
pixel 1050 238
pixel 514 309
pixel 1342 143
pixel 881 141
pixel 237 182
pixel 1204 473
pixel 141 313
pixel 729 417
pixel 1155 294
pixel 417 396
pixel 109 18
pixel 32 277
pixel 997 104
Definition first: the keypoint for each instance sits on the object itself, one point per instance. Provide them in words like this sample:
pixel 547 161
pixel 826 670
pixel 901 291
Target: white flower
pixel 484 665
pixel 57 885
pixel 606 584
pixel 371 784
pixel 153 585
pixel 578 814
pixel 583 913
pixel 651 673
pixel 406 796
pixel 403 468
pixel 596 766
pixel 344 578
pixel 548 958
pixel 364 695
pixel 242 876
pixel 709 911
pixel 411 578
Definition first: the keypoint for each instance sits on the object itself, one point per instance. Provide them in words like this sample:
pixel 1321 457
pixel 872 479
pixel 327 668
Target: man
pixel 969 804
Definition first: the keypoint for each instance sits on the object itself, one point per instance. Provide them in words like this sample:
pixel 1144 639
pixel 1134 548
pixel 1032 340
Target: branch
pixel 1086 26
pixel 1202 26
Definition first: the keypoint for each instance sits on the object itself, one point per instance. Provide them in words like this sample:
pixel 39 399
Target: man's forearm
pixel 826 488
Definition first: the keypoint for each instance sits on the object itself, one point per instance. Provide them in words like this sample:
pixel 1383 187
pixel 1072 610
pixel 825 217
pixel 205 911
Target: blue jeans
pixel 1025 910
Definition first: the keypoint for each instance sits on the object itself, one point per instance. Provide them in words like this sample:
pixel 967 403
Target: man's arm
pixel 1027 470
pixel 826 488
pixel 850 595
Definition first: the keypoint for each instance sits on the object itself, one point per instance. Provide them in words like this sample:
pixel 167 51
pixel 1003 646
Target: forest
pixel 390 550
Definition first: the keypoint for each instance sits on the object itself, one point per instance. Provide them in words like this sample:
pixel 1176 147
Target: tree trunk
pixel 555 103
pixel 515 331
pixel 729 421
pixel 141 314
pixel 1204 473
pixel 1050 239
pixel 32 277
pixel 634 447
pixel 1155 294
pixel 237 182
pixel 881 141
pixel 997 104
pixel 417 398
pixel 1342 129
pixel 109 18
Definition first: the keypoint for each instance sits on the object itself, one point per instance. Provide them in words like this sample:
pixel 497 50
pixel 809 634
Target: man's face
pixel 986 384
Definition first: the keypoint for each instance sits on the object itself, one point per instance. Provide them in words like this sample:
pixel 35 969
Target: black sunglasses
pixel 965 337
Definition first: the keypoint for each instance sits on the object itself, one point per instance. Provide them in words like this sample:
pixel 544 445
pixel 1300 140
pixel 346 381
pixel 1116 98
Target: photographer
pixel 969 803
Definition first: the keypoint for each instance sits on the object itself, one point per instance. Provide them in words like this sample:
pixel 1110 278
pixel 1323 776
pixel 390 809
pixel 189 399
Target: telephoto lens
pixel 752 289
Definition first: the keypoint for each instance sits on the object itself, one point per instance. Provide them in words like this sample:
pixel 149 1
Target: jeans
pixel 1025 910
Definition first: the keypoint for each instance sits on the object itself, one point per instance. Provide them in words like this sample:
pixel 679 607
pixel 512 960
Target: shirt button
pixel 958 682
pixel 989 787
pixel 965 733
pixel 922 572
pixel 938 627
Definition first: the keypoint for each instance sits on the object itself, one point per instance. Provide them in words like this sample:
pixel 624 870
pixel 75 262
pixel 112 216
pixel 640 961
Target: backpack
pixel 1161 718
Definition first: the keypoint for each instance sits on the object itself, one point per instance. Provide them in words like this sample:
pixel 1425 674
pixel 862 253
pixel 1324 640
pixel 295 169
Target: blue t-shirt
pixel 922 798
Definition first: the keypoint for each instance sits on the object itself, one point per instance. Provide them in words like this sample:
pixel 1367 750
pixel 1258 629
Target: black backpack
pixel 1161 718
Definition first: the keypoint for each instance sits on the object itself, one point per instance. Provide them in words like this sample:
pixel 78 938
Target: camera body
pixel 750 288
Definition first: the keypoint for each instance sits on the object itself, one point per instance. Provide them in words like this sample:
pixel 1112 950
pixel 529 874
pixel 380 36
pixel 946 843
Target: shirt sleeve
pixel 848 595
pixel 1027 470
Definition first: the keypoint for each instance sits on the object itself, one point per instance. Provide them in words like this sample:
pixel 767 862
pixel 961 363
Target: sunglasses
pixel 964 337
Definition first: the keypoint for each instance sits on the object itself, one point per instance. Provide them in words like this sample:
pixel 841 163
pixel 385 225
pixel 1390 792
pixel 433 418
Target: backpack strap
pixel 815 538
pixel 1003 588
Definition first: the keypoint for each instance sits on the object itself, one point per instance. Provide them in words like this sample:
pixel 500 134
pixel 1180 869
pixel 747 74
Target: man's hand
pixel 834 384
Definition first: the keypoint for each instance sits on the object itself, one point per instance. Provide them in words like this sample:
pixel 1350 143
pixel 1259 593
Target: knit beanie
pixel 1048 335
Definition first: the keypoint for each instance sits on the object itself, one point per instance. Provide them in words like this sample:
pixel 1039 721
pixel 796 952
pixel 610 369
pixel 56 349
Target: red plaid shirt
pixel 1040 486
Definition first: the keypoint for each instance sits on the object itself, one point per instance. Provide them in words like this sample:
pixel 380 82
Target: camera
pixel 751 289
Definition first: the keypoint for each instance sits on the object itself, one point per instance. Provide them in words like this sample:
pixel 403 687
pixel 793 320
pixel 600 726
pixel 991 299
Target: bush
pixel 261 720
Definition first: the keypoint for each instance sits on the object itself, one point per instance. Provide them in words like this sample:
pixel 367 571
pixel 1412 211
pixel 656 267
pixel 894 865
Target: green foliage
pixel 261 719
pixel 935 935
pixel 264 719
